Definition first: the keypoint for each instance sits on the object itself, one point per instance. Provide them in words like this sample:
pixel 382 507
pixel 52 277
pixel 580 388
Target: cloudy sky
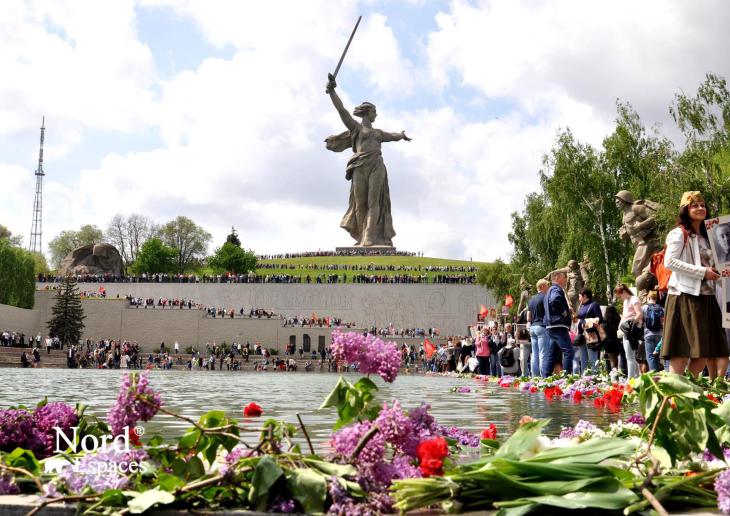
pixel 216 109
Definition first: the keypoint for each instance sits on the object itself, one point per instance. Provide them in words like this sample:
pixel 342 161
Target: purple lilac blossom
pixel 129 407
pixel 345 441
pixel 722 488
pixel 370 353
pixel 50 490
pixel 45 418
pixel 463 437
pixel 8 485
pixel 100 471
pixel 637 419
pixel 16 429
pixel 424 424
pixel 282 506
pixel 708 456
pixel 568 433
pixel 342 503
pixel 397 429
pixel 232 457
pixel 585 426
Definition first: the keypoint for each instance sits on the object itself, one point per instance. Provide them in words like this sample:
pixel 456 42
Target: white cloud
pixel 241 138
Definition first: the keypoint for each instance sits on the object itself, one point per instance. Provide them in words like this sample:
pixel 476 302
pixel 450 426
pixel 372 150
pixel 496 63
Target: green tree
pixel 233 238
pixel 581 190
pixel 17 277
pixel 128 234
pixel 67 321
pixel 40 265
pixel 643 162
pixel 499 277
pixel 704 120
pixel 231 258
pixel 5 233
pixel 189 241
pixel 155 257
pixel 69 240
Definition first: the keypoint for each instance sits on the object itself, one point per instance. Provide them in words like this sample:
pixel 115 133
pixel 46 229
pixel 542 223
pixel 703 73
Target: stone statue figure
pixel 524 296
pixel 368 218
pixel 92 259
pixel 639 226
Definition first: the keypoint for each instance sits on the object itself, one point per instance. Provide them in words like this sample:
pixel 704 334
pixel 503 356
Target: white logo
pixel 91 443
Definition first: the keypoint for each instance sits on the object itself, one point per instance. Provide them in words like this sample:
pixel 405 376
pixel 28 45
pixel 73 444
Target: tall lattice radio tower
pixel 36 230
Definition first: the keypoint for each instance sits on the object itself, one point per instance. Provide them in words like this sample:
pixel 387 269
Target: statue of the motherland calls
pixel 368 218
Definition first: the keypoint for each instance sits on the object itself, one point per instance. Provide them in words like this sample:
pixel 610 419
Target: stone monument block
pixel 93 259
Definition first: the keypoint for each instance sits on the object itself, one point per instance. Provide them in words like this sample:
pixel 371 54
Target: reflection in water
pixel 282 395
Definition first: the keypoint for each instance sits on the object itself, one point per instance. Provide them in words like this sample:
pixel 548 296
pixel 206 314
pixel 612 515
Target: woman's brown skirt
pixel 693 327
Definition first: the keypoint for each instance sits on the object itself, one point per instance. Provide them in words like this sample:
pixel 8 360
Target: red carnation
pixel 490 432
pixel 577 396
pixel 252 410
pixel 431 455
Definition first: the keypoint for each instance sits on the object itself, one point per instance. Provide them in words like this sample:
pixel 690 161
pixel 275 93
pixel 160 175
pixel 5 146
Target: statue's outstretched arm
pixel 344 114
pixel 394 137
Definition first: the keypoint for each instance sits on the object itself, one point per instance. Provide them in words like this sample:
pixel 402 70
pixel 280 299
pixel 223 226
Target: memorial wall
pixel 450 308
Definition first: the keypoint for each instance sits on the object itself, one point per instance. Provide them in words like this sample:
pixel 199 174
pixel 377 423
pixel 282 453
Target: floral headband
pixel 690 197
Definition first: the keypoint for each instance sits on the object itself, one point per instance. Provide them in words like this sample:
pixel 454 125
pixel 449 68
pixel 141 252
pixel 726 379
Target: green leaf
pixel 524 438
pixel 309 488
pixel 365 384
pixel 179 467
pixel 112 498
pixel 212 419
pixel 334 397
pixel 331 469
pixel 169 482
pixel 488 446
pixel 615 499
pixel 211 450
pixel 265 475
pixel 589 452
pixel 188 440
pixel 671 383
pixel 194 468
pixel 22 458
pixel 156 440
pixel 143 501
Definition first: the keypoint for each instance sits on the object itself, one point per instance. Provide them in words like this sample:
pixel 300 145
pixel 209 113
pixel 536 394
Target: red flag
pixel 509 300
pixel 483 312
pixel 429 347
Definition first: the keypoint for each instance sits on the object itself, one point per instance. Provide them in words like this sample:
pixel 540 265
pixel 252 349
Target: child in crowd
pixel 653 316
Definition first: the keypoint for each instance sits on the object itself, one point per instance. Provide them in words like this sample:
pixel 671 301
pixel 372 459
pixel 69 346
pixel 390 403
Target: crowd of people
pixel 366 267
pixel 459 279
pixel 678 329
pixel 260 278
pixel 321 322
pixel 349 252
pixel 392 331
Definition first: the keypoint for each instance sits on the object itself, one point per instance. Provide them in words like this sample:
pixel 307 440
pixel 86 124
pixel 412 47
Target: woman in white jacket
pixel 693 329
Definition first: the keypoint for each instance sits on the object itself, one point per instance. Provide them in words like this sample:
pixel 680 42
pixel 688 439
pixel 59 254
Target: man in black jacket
pixel 557 323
